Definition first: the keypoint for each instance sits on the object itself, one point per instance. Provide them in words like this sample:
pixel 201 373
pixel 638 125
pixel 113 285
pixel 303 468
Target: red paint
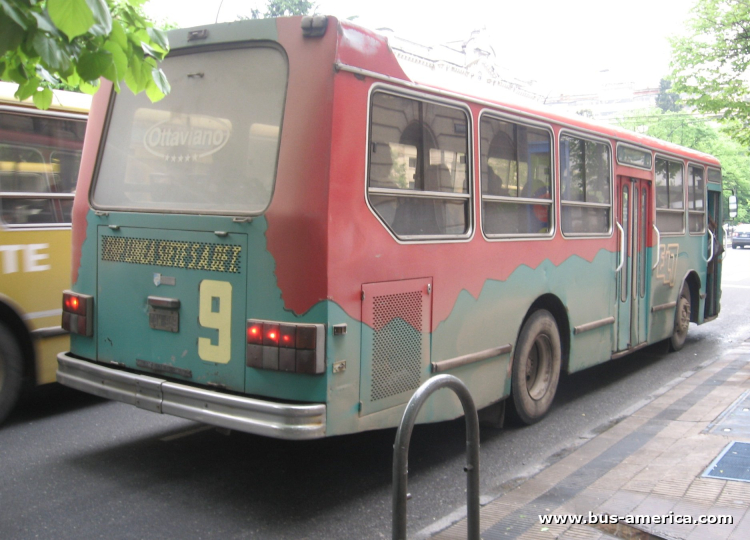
pixel 93 137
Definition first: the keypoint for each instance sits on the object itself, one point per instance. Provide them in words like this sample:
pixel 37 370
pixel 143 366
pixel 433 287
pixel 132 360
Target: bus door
pixel 632 271
pixel 713 270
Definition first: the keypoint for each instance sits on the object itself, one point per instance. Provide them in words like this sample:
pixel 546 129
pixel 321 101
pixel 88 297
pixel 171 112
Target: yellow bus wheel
pixel 11 372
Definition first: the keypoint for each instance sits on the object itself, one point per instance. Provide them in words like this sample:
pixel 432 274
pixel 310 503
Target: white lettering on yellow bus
pixel 29 258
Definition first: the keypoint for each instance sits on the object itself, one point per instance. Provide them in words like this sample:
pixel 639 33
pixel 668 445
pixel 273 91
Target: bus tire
pixel 11 372
pixel 536 368
pixel 681 320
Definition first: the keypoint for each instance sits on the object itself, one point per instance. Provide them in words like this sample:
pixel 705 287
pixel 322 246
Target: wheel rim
pixel 539 368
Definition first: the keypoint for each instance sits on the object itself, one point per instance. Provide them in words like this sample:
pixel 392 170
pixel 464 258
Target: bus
pixel 298 236
pixel 40 152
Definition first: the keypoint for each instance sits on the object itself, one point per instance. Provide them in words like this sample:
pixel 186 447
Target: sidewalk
pixel 649 464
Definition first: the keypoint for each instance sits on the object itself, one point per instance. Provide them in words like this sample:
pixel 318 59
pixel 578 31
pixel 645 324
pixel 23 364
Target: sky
pixel 567 45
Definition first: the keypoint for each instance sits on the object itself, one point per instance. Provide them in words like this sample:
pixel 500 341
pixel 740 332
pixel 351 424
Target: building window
pixel 696 199
pixel 586 186
pixel 418 178
pixel 516 165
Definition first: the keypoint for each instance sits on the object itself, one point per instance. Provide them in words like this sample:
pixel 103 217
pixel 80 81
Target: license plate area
pixel 164 319
pixel 164 313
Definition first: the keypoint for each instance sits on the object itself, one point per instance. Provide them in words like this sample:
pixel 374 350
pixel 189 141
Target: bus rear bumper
pixel 270 419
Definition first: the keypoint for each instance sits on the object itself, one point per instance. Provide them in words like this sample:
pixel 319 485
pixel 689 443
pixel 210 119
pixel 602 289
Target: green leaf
pixel 161 81
pixel 148 50
pixel 27 88
pixel 45 24
pixel 11 35
pixel 88 88
pixel 91 66
pixel 72 17
pixel 43 99
pixel 138 76
pixel 119 59
pixel 153 92
pixel 118 35
pixel 159 39
pixel 102 19
pixel 46 76
pixel 16 74
pixel 49 50
pixel 14 13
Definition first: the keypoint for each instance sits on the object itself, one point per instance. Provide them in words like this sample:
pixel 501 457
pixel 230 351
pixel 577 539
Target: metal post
pixel 401 453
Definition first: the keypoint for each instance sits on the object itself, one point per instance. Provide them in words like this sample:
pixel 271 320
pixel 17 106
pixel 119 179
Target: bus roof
pixel 62 100
pixel 356 49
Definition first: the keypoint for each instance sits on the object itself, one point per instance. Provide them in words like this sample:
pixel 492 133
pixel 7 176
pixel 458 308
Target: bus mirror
pixel 732 206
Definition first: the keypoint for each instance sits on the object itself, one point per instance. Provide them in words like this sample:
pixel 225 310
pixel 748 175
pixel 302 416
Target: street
pixel 75 466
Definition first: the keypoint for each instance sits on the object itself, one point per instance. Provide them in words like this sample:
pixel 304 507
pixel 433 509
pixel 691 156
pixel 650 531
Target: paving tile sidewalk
pixel 651 463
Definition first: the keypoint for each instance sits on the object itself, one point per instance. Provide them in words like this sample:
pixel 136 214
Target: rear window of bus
pixel 210 146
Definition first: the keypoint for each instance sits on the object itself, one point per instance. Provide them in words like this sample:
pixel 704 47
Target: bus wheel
pixel 681 320
pixel 536 368
pixel 11 371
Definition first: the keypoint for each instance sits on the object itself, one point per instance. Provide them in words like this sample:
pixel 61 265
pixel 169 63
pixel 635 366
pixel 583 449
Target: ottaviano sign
pixel 187 138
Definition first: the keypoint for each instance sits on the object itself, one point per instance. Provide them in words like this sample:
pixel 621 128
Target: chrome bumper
pixel 279 420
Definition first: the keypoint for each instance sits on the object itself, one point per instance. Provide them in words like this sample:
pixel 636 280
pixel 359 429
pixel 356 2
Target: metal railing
pixel 401 453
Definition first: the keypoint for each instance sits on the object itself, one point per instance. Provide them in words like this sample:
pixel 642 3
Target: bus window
pixel 419 177
pixel 192 152
pixel 37 179
pixel 516 161
pixel 696 196
pixel 670 197
pixel 586 185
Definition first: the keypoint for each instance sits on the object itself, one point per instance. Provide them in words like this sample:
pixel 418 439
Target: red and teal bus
pixel 299 236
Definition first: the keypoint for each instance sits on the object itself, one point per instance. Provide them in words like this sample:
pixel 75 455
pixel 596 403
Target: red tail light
pixel 255 333
pixel 285 347
pixel 78 313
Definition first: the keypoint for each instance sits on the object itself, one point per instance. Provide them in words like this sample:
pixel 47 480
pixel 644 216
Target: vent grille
pixel 176 254
pixel 397 344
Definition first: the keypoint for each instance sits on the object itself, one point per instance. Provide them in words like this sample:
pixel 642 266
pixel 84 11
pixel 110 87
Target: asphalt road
pixel 74 466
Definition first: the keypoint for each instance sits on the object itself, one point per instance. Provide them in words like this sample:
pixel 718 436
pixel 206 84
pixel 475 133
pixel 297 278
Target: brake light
pixel 297 348
pixel 255 333
pixel 78 313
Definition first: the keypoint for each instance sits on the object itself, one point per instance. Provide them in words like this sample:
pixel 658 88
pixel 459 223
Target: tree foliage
pixel 283 8
pixel 710 63
pixel 667 100
pixel 47 43
pixel 698 133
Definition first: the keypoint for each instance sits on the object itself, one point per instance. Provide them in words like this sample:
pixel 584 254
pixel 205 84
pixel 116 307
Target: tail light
pixel 296 348
pixel 78 313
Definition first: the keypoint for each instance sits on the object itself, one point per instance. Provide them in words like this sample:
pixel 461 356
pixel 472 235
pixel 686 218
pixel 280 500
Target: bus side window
pixel 586 186
pixel 37 182
pixel 23 170
pixel 516 161
pixel 670 196
pixel 418 179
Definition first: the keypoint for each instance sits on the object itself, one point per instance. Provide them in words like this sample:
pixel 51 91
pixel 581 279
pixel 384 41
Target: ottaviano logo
pixel 187 137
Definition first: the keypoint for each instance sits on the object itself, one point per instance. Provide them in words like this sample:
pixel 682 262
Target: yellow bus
pixel 40 152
